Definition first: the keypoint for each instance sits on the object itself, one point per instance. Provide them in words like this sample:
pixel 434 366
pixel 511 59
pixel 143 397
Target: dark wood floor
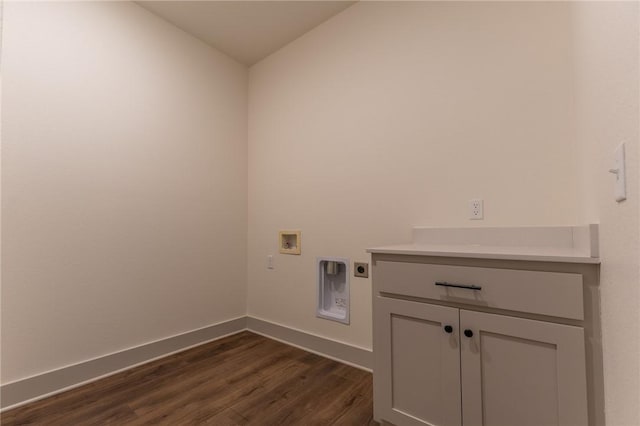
pixel 243 379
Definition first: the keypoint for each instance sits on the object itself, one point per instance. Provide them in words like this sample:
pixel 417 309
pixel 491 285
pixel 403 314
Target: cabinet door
pixel 521 372
pixel 416 363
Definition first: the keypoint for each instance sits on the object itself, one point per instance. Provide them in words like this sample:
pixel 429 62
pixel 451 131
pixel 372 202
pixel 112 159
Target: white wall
pixel 394 114
pixel 123 180
pixel 607 92
pixel 124 164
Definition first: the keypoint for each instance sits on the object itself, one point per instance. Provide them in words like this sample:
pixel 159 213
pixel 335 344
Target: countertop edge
pixel 487 255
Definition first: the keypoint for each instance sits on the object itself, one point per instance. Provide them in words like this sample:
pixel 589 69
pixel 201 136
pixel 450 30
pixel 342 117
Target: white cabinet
pixel 521 372
pixel 417 371
pixel 450 356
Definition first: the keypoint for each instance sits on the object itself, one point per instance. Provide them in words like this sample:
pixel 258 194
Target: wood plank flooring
pixel 244 379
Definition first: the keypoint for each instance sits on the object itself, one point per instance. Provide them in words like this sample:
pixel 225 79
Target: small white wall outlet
pixel 270 261
pixel 476 209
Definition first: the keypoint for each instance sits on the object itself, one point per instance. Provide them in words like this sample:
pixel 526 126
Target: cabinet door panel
pixel 521 372
pixel 416 364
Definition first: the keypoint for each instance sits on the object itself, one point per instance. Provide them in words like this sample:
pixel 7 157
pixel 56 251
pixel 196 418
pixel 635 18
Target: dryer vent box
pixel 333 289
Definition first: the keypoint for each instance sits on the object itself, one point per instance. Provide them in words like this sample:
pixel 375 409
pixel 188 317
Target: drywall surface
pixel 123 183
pixel 607 92
pixel 394 114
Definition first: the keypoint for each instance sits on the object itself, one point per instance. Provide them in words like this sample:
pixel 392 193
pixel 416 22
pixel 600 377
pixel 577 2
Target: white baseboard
pixel 52 382
pixel 339 351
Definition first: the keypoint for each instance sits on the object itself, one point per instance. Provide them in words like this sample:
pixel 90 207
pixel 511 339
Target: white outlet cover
pixel 476 209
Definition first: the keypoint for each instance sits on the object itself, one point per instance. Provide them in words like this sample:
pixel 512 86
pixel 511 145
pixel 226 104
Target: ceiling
pixel 248 31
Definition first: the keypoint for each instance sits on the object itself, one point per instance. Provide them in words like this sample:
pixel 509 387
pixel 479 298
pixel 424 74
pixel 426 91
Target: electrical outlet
pixel 270 261
pixel 361 269
pixel 476 209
